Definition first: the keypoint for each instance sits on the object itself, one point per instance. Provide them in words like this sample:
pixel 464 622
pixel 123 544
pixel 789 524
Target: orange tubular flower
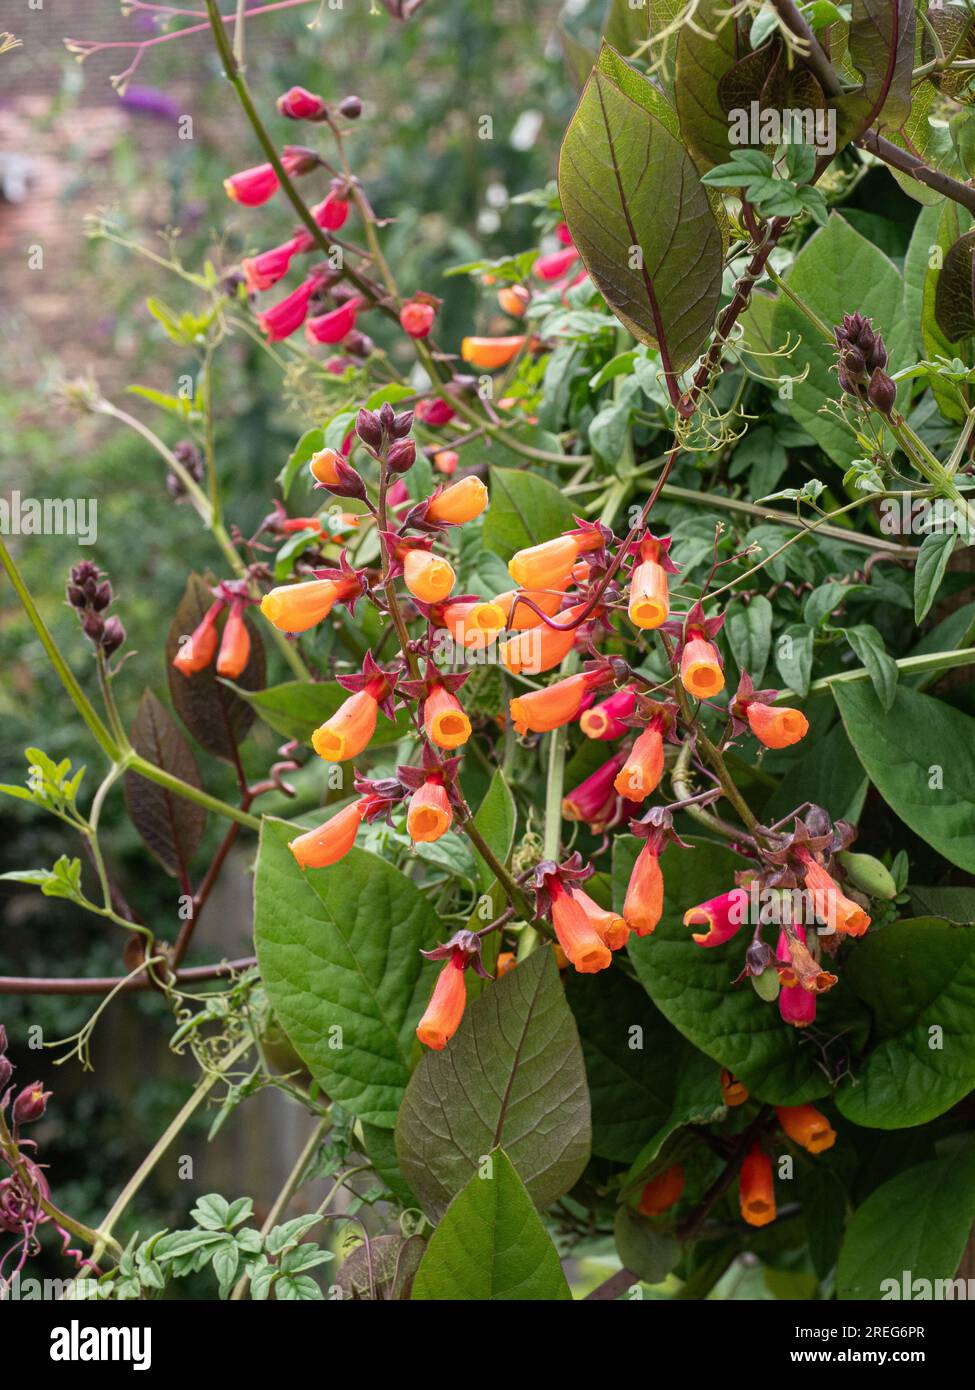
pixel 776 728
pixel 541 648
pixel 297 607
pixel 429 815
pixel 428 577
pixel 196 653
pixel 514 300
pixel 643 768
pixel 732 1091
pixel 473 623
pixel 460 502
pixel 519 616
pixel 549 565
pixel 317 849
pixel 506 961
pixel 661 1192
pixel 490 353
pixel 349 730
pixel 611 927
pixel 644 903
pixel 807 1127
pixel 831 905
pixel 446 1007
pixel 444 720
pixel 756 1189
pixel 323 466
pixel 700 670
pixel 578 937
pixel 540 711
pixel 649 604
pixel 235 644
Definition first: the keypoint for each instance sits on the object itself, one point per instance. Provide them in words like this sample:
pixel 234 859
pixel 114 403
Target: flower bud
pixel 113 635
pixel 661 1192
pixel 350 107
pixel 416 318
pixel 301 105
pixel 488 354
pixel 318 849
pixel 733 1093
pixel 369 428
pixel 401 456
pixel 331 213
pixel 93 626
pixel 868 874
pixel 30 1104
pixel 881 392
pixel 461 502
pixel 6 1072
pixel 445 461
pixel 401 424
pixel 349 729
pixel 102 596
pixel 446 1008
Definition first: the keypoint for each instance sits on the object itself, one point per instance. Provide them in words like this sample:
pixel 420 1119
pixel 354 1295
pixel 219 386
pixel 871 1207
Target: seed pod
pixel 868 874
pixel 766 985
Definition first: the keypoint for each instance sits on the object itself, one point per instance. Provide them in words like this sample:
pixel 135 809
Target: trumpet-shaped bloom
pixel 662 1192
pixel 577 935
pixel 541 648
pixel 428 577
pixel 349 730
pixel 317 849
pixel 331 212
pixel 604 721
pixel 429 815
pixel 445 722
pixel 196 653
pixel 722 916
pixel 473 623
pixel 283 318
pixel 491 353
pixel 610 926
pixel 831 905
pixel 643 768
pixel 806 1126
pixel 644 902
pixel 649 604
pixel 700 670
pixel 297 607
pixel 252 187
pixel 265 270
pixel 335 325
pixel 549 565
pixel 594 797
pixel 446 1007
pixel 756 1188
pixel 776 728
pixel 519 616
pixel 460 502
pixel 540 711
pixel 235 644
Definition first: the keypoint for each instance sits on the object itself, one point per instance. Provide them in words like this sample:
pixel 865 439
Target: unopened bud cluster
pixel 90 593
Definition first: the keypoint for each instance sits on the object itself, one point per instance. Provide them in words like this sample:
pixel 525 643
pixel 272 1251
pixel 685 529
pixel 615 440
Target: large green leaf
pixel 837 271
pixel 705 52
pixel 491 1244
pixel 920 755
pixel 513 1075
pixel 918 1222
pixel 693 986
pixel 918 979
pixel 495 819
pixel 830 776
pixel 951 223
pixel 525 509
pixel 882 51
pixel 639 213
pixel 339 953
pixel 296 708
pixel 644 1078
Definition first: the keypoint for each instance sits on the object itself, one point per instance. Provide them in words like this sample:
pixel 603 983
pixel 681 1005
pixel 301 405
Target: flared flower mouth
pixel 703 679
pixel 451 728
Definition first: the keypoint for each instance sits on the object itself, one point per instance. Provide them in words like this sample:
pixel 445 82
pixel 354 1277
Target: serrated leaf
pixel 639 215
pixel 512 1074
pixel 339 948
pixel 491 1245
pixel 170 826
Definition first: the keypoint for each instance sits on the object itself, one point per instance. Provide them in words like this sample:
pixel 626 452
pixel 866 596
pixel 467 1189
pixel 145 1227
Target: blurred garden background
pixel 75 154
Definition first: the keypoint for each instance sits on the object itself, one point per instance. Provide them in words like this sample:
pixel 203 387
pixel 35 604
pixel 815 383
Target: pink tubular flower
pixel 594 802
pixel 556 265
pixel 252 187
pixel 290 313
pixel 796 1004
pixel 265 270
pixel 434 411
pixel 604 720
pixel 331 213
pixel 722 916
pixel 333 326
pixel 298 104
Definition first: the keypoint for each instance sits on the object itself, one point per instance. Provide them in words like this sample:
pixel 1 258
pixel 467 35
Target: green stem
pixel 906 665
pixel 138 764
pixel 735 504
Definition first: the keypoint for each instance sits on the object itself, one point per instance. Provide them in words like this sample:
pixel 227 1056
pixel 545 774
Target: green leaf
pixel 296 708
pixel 491 1245
pixel 830 776
pixel 920 1222
pixel 639 214
pixel 950 221
pixel 834 263
pixel 479 570
pixel 793 657
pixel 920 755
pixel 917 978
pixel 693 988
pixel 929 570
pixel 868 644
pixel 495 818
pixel 749 633
pixel 525 509
pixel 512 1074
pixel 643 1077
pixel 339 956
pixel 648 1252
pixel 881 49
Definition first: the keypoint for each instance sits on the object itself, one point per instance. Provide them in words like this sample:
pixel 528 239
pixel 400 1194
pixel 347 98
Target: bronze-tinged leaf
pixel 216 717
pixel 386 1269
pixel 955 29
pixel 639 214
pixel 745 81
pixel 704 54
pixel 170 825
pixel 954 299
pixel 882 51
